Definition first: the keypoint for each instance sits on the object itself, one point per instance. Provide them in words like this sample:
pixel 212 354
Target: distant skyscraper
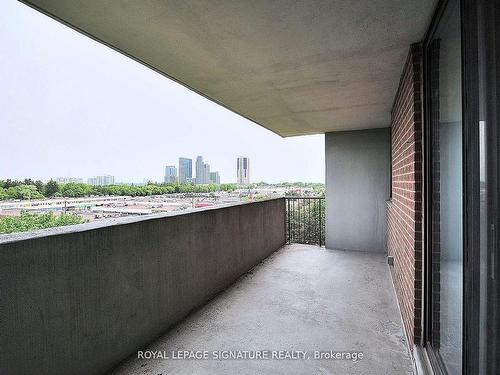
pixel 200 172
pixel 185 170
pixel 101 180
pixel 170 174
pixel 243 170
pixel 214 178
pixel 206 173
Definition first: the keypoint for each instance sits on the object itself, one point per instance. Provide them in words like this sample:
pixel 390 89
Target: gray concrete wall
pixel 357 187
pixel 78 300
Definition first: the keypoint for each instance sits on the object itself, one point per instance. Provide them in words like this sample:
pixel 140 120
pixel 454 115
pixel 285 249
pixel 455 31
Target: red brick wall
pixel 404 210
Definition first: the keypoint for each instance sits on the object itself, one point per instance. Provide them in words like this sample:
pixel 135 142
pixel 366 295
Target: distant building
pixel 214 177
pixel 203 175
pixel 185 170
pixel 200 172
pixel 67 180
pixel 206 173
pixel 170 174
pixel 101 180
pixel 243 170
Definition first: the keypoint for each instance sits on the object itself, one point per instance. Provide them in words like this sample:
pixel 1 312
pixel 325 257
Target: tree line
pixel 28 222
pixel 29 189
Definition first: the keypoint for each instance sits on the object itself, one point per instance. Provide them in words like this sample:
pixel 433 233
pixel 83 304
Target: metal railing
pixel 305 220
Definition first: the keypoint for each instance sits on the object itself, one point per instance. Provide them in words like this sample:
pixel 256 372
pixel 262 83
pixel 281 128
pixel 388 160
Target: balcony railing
pixel 305 220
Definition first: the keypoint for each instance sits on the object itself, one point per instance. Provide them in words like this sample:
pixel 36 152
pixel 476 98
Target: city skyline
pixel 118 117
pixel 203 174
pixel 172 174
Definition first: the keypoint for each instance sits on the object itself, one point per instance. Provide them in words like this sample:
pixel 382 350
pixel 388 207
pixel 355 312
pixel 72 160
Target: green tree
pixel 24 192
pixel 11 183
pixel 51 188
pixel 75 190
pixel 3 194
pixel 28 222
pixel 40 186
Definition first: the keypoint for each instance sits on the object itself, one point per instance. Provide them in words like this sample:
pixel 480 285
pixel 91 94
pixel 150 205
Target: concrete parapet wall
pixel 79 299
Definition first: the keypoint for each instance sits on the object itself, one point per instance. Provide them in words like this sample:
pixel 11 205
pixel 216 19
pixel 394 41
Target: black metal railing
pixel 305 220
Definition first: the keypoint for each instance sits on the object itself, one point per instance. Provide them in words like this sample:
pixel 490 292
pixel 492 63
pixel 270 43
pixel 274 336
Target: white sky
pixel 70 106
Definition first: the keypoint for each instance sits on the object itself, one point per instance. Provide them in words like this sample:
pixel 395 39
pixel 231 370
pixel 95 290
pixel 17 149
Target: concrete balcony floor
pixel 302 298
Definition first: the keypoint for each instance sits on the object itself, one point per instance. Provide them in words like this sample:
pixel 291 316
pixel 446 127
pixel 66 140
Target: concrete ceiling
pixel 295 67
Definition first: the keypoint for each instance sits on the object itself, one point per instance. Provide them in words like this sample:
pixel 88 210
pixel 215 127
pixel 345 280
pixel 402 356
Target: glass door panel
pixel 444 64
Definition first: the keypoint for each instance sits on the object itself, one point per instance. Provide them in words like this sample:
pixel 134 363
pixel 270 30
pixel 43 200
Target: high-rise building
pixel 203 175
pixel 243 170
pixel 214 177
pixel 170 174
pixel 185 170
pixel 101 180
pixel 206 173
pixel 200 172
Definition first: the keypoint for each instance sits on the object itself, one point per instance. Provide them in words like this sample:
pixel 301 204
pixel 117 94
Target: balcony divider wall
pixel 357 189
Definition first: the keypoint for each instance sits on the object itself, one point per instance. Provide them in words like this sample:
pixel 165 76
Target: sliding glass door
pixel 444 69
pixel 462 138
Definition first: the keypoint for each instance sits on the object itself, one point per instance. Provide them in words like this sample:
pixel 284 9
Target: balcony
pixel 82 299
pixel 302 298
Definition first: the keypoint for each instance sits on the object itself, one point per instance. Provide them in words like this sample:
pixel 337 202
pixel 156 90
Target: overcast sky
pixel 70 106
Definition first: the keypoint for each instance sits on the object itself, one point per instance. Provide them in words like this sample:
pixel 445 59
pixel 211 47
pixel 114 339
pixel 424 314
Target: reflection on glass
pixel 486 11
pixel 446 143
pixel 483 256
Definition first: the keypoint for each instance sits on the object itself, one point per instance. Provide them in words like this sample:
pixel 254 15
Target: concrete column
pixel 357 187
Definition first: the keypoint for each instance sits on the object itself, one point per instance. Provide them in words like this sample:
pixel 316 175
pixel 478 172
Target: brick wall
pixel 404 210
